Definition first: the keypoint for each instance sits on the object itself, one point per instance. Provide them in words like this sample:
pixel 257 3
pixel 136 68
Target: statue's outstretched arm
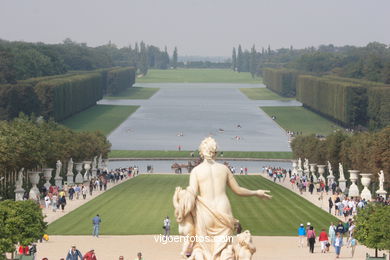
pixel 245 192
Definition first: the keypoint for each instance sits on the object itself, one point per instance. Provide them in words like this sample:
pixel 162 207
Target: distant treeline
pixel 363 151
pixel 371 62
pixel 23 60
pixel 204 65
pixel 61 96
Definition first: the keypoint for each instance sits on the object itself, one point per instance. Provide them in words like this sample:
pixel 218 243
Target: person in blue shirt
pixel 96 223
pixel 301 235
pixel 74 254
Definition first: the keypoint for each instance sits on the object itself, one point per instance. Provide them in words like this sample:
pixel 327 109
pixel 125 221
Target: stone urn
pixel 87 167
pixel 321 171
pixel 353 189
pixel 34 179
pixel 47 172
pixel 79 177
pixel 366 180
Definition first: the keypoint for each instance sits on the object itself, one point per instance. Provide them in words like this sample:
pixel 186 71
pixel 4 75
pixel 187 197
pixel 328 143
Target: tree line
pixel 363 151
pixel 23 60
pixel 371 62
pixel 33 143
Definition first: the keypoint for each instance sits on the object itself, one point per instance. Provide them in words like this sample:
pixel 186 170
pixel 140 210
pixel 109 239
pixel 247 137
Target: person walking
pixel 301 235
pixel 167 227
pixel 332 233
pixel 323 239
pixel 62 202
pixel 352 243
pixel 96 225
pixel 54 202
pixel 84 192
pixel 338 243
pixel 90 255
pixel 47 201
pixel 311 236
pixel 74 254
pixel 330 205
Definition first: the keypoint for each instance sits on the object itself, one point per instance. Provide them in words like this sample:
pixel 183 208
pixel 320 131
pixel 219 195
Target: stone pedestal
pixel 47 175
pixel 306 173
pixel 294 167
pixel 69 177
pixel 342 184
pixel 58 182
pixel 79 177
pixel 94 173
pixel 382 193
pixel 34 179
pixel 105 164
pixel 299 172
pixel 330 179
pixel 19 194
pixel 366 193
pixel 353 189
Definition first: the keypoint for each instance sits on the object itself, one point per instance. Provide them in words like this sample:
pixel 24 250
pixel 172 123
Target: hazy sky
pixel 198 27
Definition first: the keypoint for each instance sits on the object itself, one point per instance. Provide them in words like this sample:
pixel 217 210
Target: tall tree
pixel 240 59
pixel 234 59
pixel 174 58
pixel 253 62
pixel 143 59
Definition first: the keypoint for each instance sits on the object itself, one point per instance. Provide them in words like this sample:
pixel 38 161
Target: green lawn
pixel 139 206
pixel 262 94
pixel 300 119
pixel 197 76
pixel 134 93
pixel 104 118
pixel 182 154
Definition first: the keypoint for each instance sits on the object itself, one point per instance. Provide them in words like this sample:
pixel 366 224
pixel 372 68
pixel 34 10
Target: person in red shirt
pixel 90 255
pixel 24 250
pixel 323 238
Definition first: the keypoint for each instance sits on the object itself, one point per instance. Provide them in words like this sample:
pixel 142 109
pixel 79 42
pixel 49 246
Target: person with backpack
pixel 90 255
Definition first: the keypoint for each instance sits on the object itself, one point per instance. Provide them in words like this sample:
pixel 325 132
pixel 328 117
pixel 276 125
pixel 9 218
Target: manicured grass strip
pixel 262 94
pixel 104 118
pixel 197 76
pixel 139 206
pixel 300 119
pixel 182 154
pixel 135 93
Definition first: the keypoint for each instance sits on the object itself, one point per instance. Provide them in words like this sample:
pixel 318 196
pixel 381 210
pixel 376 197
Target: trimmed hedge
pixel 350 102
pixel 61 96
pixel 379 107
pixel 119 79
pixel 17 98
pixel 281 81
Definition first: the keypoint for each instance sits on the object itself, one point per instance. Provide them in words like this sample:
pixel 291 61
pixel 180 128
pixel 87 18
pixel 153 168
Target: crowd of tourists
pixel 335 236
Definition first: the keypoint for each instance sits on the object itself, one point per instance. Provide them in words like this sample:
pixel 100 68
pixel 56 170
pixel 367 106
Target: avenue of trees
pixel 367 152
pixel 371 62
pixel 33 143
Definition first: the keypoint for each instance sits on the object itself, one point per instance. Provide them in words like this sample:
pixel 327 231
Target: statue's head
pixel 208 148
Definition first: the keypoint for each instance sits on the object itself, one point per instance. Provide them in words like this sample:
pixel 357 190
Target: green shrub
pixel 119 79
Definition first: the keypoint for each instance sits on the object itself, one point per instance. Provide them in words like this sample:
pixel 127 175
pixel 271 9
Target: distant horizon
pixel 198 27
pixel 191 57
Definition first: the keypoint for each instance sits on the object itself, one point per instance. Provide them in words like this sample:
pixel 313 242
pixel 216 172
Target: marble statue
pixel 100 161
pixel 94 162
pixel 299 164
pixel 381 180
pixel 58 168
pixel 70 166
pixel 203 209
pixel 306 165
pixel 330 169
pixel 244 248
pixel 341 172
pixel 19 181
